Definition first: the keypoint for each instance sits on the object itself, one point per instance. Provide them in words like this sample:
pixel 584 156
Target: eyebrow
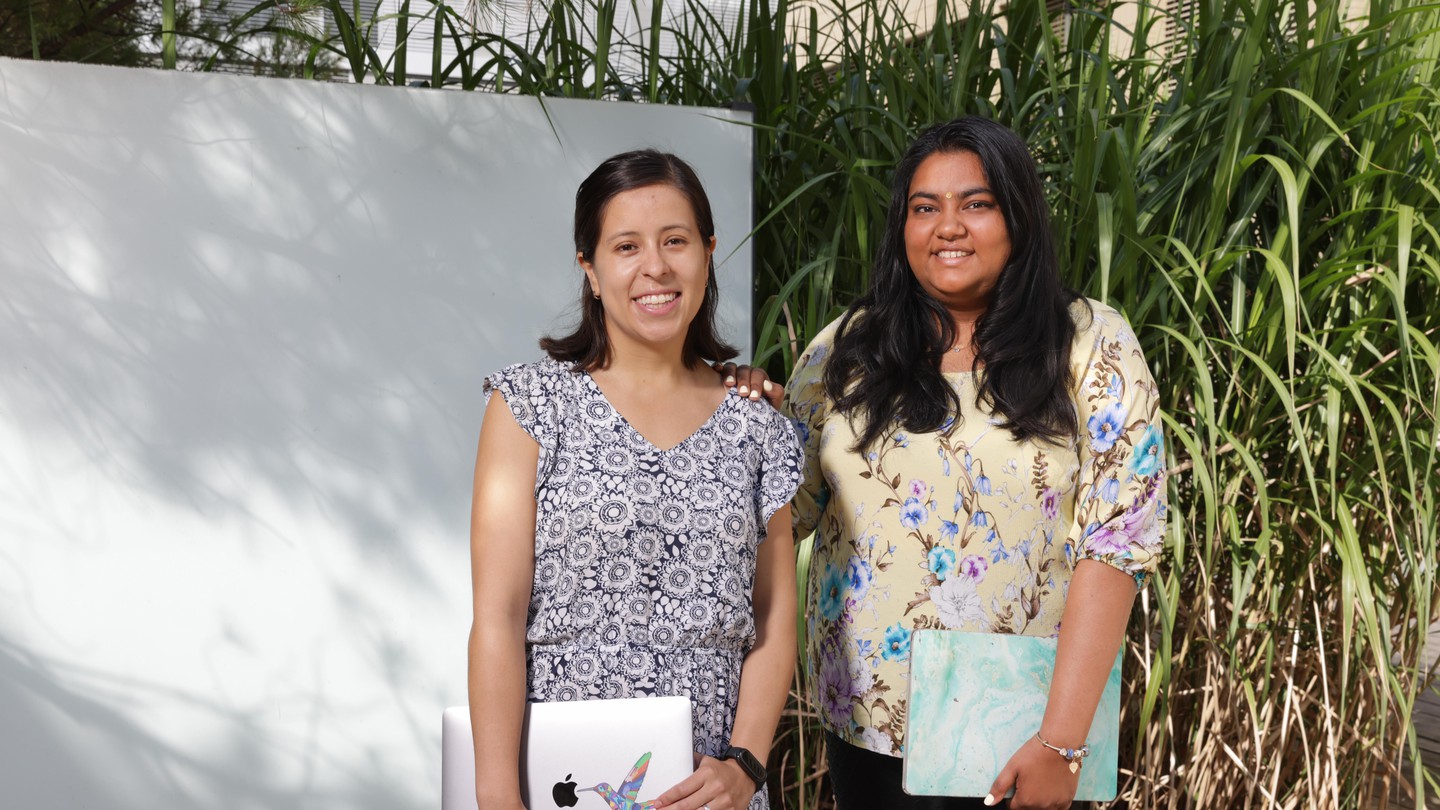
pixel 633 234
pixel 932 195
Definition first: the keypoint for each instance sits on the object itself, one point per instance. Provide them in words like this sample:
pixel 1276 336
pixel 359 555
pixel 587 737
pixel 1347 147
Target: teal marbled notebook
pixel 975 698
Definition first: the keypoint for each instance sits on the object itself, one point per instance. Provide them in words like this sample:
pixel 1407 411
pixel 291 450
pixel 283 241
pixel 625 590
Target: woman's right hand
pixel 502 558
pixel 752 382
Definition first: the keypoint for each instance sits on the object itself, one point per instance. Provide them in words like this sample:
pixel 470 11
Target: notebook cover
pixel 975 698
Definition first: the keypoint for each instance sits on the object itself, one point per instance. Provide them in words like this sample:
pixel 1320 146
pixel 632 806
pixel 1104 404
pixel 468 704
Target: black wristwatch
pixel 752 767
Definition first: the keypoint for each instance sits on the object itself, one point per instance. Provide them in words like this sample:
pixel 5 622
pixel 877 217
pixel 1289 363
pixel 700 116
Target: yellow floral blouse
pixel 970 530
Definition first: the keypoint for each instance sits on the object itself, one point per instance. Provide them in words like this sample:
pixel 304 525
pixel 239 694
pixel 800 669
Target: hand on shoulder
pixel 752 382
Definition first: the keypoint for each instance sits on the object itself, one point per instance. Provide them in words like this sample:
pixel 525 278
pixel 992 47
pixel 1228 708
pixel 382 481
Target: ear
pixel 711 248
pixel 589 272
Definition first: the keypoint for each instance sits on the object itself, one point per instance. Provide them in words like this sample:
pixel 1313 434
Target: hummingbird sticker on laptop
pixel 621 798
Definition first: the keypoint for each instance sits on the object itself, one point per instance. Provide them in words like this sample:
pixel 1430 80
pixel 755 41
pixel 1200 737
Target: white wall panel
pixel 243 325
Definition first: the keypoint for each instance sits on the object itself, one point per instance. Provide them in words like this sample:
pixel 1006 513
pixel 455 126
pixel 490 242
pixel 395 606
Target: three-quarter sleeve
pixel 1120 499
pixel 807 408
pixel 781 458
pixel 527 391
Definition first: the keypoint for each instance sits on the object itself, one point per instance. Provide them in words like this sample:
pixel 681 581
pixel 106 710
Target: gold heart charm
pixel 1074 767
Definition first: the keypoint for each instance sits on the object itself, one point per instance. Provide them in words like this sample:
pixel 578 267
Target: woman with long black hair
pixel 983 452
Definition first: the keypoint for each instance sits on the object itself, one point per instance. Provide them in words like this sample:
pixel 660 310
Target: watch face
pixel 748 763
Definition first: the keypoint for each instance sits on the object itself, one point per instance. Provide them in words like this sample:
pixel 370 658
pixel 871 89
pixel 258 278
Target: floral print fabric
pixel 645 558
pixel 968 531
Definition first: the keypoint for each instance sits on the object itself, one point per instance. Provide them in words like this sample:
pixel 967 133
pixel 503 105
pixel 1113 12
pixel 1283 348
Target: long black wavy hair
pixel 588 347
pixel 884 368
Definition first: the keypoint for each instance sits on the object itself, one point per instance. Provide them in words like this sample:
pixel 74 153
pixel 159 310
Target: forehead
pixel 654 206
pixel 949 171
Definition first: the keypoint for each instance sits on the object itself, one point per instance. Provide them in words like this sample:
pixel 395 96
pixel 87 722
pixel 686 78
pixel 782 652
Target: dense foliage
pixel 108 31
pixel 273 41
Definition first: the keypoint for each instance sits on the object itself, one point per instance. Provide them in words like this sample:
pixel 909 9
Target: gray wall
pixel 243 325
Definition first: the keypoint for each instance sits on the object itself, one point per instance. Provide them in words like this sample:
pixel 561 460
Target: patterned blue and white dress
pixel 645 558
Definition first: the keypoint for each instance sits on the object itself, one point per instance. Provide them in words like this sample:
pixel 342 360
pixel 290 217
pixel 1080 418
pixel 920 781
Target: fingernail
pixel 989 800
pixel 744 389
pixel 768 386
pixel 755 394
pixel 729 380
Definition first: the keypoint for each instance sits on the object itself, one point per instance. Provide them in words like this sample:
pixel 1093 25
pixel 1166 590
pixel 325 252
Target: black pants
pixel 865 780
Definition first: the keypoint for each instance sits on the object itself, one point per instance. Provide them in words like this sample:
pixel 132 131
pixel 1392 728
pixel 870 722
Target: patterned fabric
pixel 970 531
pixel 645 559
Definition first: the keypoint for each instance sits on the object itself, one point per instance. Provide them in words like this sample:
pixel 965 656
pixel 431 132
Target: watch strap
pixel 748 763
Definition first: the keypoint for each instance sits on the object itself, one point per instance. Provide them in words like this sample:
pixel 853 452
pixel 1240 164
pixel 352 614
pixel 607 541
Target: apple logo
pixel 564 793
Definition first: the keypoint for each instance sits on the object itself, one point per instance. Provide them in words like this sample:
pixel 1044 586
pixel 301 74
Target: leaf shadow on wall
pixel 264 322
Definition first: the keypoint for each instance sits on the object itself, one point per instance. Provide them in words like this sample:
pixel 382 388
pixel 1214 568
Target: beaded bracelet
pixel 1071 755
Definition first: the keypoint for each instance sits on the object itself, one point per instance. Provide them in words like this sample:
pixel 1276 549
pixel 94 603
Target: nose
pixel 653 263
pixel 951 224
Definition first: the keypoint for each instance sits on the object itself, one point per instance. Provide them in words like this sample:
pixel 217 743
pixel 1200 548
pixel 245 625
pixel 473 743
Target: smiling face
pixel 650 268
pixel 955 235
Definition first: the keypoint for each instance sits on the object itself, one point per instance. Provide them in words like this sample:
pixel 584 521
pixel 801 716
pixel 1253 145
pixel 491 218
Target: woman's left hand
pixel 716 784
pixel 1041 778
pixel 752 382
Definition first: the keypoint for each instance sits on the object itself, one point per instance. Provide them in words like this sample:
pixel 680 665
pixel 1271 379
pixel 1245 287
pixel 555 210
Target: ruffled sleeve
pixel 529 391
pixel 780 461
pixel 1120 501
pixel 807 407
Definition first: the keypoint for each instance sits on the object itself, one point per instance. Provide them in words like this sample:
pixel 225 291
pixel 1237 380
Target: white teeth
pixel 954 254
pixel 657 299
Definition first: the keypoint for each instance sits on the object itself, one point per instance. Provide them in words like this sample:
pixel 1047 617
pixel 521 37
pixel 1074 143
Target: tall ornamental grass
pixel 1256 186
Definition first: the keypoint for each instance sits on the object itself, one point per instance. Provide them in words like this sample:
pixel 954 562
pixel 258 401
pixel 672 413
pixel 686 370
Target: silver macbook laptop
pixel 580 754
